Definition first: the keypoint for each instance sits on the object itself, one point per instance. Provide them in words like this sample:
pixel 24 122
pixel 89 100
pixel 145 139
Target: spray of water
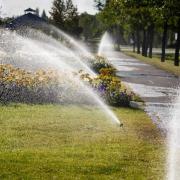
pixel 173 140
pixel 74 59
pixel 106 45
pixel 78 47
pixel 173 164
pixel 38 50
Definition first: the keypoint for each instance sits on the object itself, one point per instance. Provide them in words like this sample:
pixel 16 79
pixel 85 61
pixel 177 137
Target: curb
pixel 137 105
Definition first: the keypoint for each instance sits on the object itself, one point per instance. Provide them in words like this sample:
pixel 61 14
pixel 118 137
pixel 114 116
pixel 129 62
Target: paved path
pixel 156 87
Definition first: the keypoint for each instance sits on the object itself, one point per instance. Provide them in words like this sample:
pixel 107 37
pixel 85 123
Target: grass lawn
pixel 168 65
pixel 74 142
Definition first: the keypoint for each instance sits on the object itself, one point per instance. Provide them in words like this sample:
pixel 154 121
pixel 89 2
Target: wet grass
pixel 75 142
pixel 168 65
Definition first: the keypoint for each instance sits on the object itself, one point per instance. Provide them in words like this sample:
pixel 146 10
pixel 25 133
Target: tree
pixel 100 4
pixel 174 12
pixel 37 11
pixel 143 19
pixel 65 16
pixel 90 25
pixel 176 59
pixel 44 16
pixel 57 13
pixel 72 19
pixel 85 22
pixel 133 14
pixel 112 15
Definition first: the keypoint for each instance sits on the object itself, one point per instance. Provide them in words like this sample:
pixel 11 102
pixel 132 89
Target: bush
pixel 17 85
pixel 40 87
pixel 99 63
pixel 110 88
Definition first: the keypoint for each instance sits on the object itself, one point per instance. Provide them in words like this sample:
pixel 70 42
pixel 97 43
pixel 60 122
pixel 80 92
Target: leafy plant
pixel 109 87
pixel 17 85
pixel 50 86
pixel 100 62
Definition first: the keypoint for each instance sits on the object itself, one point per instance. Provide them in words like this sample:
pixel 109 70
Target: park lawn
pixel 168 65
pixel 78 142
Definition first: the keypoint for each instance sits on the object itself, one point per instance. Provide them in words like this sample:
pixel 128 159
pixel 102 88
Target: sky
pixel 16 7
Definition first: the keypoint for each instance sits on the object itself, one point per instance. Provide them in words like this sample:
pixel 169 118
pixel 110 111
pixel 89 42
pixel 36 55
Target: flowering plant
pixel 109 87
pixel 100 62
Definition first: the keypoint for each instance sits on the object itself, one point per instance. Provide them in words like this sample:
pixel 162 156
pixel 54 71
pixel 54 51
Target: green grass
pixel 168 65
pixel 74 142
pixel 169 56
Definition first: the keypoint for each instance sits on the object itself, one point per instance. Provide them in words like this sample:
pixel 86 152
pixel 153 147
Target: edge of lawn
pixel 167 66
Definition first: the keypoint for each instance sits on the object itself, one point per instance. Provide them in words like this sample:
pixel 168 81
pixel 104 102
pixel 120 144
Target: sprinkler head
pixel 121 125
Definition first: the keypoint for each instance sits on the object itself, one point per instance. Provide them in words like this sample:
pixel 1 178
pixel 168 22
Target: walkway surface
pixel 156 87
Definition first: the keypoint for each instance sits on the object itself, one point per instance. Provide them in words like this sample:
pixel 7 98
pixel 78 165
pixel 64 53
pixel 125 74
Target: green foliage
pixel 91 26
pixel 113 13
pixel 39 87
pixel 37 11
pixel 111 89
pixel 65 16
pixel 57 13
pixel 107 84
pixel 142 20
pixel 100 62
pixel 44 16
pixel 17 85
pixel 100 4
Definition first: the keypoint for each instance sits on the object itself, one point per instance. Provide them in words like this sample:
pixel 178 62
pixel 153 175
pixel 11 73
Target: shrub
pixel 98 63
pixel 110 88
pixel 39 87
pixel 17 85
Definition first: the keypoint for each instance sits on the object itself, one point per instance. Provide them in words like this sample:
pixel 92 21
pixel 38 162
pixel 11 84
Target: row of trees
pixel 66 17
pixel 43 15
pixel 91 25
pixel 144 18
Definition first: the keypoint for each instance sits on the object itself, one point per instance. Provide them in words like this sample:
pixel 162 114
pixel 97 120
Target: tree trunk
pixel 176 60
pixel 134 43
pixel 118 31
pixel 164 41
pixel 144 43
pixel 134 47
pixel 138 41
pixel 151 40
pixel 147 42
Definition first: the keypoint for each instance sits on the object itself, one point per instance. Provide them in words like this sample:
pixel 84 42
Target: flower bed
pixel 17 85
pixel 51 86
pixel 98 63
pixel 110 88
pixel 108 85
pixel 39 87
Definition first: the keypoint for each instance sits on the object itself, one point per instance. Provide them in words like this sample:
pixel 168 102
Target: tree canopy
pixel 65 16
pixel 142 19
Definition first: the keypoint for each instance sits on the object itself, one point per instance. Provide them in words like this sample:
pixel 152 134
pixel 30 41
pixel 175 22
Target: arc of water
pixel 173 161
pixel 52 56
pixel 106 45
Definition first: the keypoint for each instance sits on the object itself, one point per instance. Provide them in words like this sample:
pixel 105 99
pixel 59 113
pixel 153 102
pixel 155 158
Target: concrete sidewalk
pixel 156 87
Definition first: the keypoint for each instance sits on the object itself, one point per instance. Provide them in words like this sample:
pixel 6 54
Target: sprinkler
pixel 121 125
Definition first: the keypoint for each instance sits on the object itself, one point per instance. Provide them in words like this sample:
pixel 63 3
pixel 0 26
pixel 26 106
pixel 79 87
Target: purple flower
pixel 102 88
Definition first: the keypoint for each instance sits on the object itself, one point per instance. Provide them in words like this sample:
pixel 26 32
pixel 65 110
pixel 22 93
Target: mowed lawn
pixel 168 65
pixel 76 142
